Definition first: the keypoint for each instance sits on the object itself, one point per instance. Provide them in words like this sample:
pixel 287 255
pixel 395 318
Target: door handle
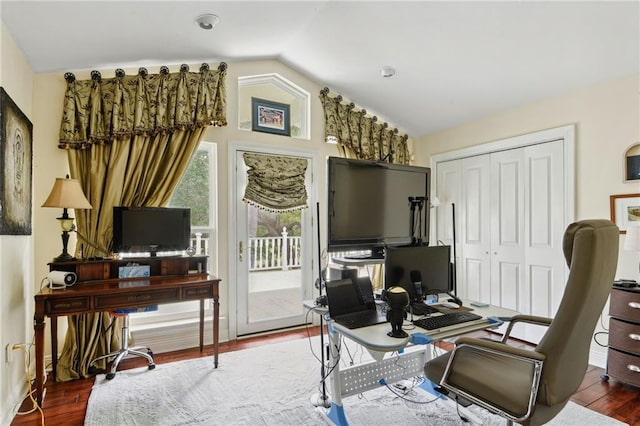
pixel 240 251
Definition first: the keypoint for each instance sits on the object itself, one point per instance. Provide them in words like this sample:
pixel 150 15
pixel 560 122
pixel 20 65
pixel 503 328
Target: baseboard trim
pixel 598 359
pixel 177 335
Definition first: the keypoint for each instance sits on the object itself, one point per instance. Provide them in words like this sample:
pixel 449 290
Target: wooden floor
pixel 66 403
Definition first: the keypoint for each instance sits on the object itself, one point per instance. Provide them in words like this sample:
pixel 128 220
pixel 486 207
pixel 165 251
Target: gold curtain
pixel 275 183
pixel 362 136
pixel 129 140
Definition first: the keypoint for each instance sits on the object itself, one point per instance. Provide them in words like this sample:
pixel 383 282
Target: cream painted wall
pixel 607 119
pixel 16 252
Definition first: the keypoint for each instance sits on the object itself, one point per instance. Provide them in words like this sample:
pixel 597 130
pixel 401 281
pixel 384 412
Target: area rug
pixel 269 385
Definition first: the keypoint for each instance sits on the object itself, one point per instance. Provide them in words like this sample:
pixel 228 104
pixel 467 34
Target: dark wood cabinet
pixel 623 357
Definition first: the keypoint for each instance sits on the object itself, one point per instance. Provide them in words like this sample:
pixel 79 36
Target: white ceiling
pixel 455 61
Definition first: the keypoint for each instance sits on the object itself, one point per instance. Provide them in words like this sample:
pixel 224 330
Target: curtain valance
pixel 275 183
pixel 99 110
pixel 364 135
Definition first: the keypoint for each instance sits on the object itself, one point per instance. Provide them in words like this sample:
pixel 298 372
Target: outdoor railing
pixel 268 253
pixel 265 253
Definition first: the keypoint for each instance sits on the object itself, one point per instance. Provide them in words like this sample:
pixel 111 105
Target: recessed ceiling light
pixel 206 21
pixel 387 72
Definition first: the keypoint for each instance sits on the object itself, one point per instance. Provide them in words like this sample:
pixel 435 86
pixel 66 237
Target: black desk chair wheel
pixel 120 354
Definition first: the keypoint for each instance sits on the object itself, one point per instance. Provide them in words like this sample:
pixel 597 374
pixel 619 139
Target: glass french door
pixel 272 260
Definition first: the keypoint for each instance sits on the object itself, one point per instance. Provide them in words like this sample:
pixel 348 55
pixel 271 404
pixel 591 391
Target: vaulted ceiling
pixel 455 61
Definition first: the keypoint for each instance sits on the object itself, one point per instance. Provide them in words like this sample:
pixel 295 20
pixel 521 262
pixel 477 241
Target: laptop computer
pixel 351 303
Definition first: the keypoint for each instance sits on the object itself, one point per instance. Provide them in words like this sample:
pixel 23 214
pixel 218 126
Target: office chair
pixel 532 386
pixel 124 344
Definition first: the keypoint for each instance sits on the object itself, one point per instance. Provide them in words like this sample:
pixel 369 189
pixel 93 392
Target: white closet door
pixel 448 190
pixel 507 229
pixel 474 219
pixel 544 216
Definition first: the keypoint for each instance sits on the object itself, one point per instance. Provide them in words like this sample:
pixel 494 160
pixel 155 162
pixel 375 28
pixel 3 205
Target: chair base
pixel 119 355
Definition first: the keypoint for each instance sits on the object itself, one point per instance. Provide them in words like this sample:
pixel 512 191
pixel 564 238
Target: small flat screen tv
pixel 369 208
pixel 151 229
pixel 430 264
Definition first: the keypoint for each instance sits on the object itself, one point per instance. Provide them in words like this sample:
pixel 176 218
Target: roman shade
pixel 275 183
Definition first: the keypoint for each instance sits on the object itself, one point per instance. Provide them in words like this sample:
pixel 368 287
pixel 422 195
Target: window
pixel 196 190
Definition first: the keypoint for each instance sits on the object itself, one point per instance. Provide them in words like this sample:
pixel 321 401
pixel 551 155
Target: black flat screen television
pixel 151 229
pixel 431 265
pixel 368 205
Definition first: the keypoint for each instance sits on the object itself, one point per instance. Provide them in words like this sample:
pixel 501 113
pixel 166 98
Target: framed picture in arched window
pixel 270 117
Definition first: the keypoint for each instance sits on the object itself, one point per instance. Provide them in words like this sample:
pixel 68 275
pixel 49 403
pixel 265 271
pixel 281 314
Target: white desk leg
pixel 336 411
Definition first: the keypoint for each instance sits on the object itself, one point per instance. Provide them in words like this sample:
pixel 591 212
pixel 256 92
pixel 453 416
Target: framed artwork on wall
pixel 625 210
pixel 270 117
pixel 16 139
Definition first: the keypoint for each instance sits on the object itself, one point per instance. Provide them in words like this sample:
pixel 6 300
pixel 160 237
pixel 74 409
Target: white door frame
pixel 309 246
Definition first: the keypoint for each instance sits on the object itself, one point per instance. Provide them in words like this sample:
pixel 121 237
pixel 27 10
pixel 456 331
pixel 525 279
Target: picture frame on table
pixel 625 210
pixel 270 117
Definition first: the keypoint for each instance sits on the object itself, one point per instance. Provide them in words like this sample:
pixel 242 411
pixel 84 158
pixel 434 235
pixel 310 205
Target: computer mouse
pixel 449 305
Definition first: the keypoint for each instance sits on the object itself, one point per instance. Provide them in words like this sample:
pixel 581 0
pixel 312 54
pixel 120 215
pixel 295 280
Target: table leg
pixel 54 346
pixel 201 325
pixel 216 330
pixel 38 328
pixel 336 411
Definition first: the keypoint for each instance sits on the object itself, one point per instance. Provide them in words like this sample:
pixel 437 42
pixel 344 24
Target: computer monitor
pixel 428 265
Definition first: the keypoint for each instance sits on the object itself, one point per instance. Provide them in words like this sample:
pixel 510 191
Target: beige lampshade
pixel 67 193
pixel 632 239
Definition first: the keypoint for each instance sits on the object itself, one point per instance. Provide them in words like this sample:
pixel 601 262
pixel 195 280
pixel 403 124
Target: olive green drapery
pixel 360 136
pixel 128 140
pixel 275 183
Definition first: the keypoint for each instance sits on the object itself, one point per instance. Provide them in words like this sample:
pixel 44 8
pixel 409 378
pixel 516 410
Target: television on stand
pixel 372 205
pixel 151 229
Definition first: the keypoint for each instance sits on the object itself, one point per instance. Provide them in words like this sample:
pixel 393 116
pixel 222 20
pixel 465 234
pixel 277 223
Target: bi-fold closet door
pixel 510 218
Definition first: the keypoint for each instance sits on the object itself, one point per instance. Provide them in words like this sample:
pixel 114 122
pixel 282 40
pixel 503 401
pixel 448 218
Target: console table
pixel 90 295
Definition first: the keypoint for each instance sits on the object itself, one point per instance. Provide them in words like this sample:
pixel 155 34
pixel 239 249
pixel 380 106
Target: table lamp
pixel 632 239
pixel 66 193
pixel 398 299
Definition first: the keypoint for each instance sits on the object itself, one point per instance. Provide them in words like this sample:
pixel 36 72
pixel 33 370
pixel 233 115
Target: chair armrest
pixel 529 319
pixel 498 348
pixel 501 378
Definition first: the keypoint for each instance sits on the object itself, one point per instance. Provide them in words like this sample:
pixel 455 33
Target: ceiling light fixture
pixel 206 21
pixel 387 72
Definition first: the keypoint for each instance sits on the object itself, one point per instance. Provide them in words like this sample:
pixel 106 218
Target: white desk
pixel 369 375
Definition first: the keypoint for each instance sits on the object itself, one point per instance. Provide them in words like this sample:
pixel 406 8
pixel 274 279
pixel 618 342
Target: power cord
pixel 30 390
pixel 595 338
pixel 463 418
pixel 406 391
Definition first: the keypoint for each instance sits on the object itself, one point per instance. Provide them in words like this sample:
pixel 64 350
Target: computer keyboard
pixel 441 321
